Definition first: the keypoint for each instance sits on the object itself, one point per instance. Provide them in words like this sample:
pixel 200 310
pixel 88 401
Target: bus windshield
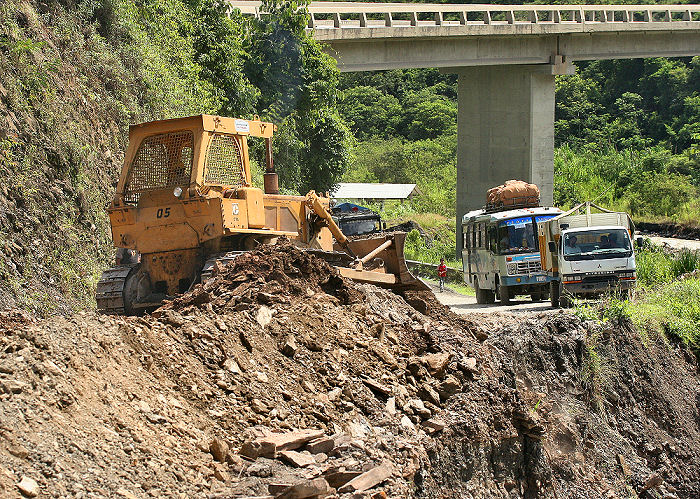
pixel 519 235
pixel 516 235
pixel 597 244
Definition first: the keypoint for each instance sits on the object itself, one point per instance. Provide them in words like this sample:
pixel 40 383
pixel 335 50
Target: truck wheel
pixel 490 296
pixel 554 294
pixel 504 293
pixel 480 295
pixel 565 301
pixel 536 296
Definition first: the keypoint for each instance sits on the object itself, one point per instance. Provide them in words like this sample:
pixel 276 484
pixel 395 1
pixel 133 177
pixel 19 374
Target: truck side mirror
pixel 640 241
pixel 552 246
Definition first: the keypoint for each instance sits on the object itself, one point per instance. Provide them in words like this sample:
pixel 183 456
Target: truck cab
pixel 588 254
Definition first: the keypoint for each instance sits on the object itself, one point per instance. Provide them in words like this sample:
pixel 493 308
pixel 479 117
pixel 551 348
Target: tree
pixel 427 116
pixel 219 50
pixel 298 86
pixel 370 113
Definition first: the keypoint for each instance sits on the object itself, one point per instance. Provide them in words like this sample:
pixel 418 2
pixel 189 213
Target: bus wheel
pixel 503 293
pixel 554 293
pixel 481 295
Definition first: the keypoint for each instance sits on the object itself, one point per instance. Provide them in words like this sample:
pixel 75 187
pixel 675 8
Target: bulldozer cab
pixel 187 155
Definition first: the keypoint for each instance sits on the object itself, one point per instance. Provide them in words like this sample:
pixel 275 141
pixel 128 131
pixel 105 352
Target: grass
pixel 656 266
pixel 596 371
pixel 461 289
pixel 672 309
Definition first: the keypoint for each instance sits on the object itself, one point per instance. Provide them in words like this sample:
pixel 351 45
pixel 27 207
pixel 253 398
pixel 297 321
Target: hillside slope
pixel 66 98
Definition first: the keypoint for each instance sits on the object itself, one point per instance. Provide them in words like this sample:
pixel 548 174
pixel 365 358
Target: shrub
pixel 673 309
pixel 654 266
pixel 686 261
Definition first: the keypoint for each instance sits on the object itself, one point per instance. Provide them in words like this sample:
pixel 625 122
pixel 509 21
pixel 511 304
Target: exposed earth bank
pixel 279 378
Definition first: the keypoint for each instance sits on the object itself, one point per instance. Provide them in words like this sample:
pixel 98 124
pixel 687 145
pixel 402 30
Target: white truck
pixel 587 254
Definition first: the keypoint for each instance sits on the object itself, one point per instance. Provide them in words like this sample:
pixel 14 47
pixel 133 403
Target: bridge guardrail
pixel 329 15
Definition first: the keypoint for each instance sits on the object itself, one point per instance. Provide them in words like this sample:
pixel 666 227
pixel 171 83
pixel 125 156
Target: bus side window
pixel 493 239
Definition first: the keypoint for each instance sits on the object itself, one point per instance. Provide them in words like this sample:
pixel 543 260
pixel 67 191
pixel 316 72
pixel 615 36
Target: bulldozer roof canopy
pixel 208 123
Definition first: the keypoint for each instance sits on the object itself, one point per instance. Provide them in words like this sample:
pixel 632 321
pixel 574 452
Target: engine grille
pixel 161 161
pixel 223 166
pixel 529 267
pixel 611 278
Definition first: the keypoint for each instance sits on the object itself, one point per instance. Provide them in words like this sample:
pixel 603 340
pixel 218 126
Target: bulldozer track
pixel 110 289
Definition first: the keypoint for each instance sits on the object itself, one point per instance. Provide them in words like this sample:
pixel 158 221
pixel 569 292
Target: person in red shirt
pixel 442 274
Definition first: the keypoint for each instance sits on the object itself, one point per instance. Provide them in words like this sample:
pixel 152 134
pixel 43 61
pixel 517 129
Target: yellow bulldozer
pixel 185 201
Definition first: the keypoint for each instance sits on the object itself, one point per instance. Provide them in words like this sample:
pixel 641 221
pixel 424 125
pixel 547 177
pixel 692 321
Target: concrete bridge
pixel 506 57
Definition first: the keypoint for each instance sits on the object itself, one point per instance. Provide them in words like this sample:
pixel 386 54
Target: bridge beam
pixel 505 130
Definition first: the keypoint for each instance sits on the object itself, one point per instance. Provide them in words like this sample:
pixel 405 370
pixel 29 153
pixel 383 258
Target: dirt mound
pixel 271 274
pixel 280 378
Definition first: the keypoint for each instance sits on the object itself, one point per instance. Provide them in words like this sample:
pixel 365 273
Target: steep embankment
pixel 73 75
pixel 427 403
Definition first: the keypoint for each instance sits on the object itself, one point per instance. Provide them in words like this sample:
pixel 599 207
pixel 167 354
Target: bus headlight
pixel 512 268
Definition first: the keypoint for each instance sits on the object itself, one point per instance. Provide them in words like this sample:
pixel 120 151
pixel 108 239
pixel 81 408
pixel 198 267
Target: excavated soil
pixel 424 402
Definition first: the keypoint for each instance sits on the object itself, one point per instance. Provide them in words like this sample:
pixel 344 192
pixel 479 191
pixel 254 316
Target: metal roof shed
pixel 378 192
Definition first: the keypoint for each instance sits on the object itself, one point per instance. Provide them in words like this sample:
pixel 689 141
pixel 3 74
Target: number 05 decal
pixel 163 213
pixel 235 209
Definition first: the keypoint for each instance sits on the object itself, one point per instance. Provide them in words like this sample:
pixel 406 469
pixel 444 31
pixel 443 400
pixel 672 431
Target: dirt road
pixel 675 243
pixel 464 304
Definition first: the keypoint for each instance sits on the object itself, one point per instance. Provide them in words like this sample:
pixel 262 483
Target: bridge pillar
pixel 505 130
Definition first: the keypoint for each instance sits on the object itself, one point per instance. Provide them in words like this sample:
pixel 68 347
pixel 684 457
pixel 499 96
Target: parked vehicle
pixel 356 220
pixel 587 254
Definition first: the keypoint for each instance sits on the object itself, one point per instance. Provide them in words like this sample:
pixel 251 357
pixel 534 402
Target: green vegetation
pixel 657 266
pixel 596 370
pixel 672 309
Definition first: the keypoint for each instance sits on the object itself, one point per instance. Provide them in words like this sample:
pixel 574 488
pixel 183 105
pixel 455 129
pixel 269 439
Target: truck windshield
pixel 597 244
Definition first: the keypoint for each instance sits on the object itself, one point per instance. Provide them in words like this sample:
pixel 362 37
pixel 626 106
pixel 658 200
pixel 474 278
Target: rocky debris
pixel 317 487
pixel 290 347
pixel 201 400
pixel 368 479
pixel 434 424
pixel 436 363
pixel 270 445
pixel 297 459
pixel 219 449
pixel 322 444
pixel 28 487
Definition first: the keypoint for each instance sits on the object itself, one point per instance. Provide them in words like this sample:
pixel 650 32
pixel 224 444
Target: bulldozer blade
pixel 394 273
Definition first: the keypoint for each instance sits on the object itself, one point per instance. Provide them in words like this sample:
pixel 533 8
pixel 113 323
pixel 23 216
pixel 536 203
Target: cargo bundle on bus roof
pixel 512 194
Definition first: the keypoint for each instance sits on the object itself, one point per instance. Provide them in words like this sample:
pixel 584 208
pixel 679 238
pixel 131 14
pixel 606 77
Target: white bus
pixel 501 256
